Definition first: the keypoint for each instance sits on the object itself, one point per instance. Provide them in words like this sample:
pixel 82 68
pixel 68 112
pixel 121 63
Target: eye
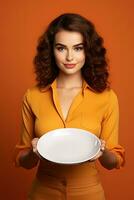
pixel 78 48
pixel 60 48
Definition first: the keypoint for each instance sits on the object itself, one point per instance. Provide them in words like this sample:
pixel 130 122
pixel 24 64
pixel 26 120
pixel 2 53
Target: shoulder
pixel 109 95
pixel 107 98
pixel 32 93
pixel 112 96
pixel 111 100
pixel 33 90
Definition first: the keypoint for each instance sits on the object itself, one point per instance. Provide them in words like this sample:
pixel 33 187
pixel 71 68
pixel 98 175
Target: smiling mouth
pixel 69 65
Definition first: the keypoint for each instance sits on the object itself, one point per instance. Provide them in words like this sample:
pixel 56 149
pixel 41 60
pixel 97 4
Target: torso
pixel 66 97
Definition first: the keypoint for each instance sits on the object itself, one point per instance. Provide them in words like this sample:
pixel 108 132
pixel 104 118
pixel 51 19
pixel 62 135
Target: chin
pixel 72 71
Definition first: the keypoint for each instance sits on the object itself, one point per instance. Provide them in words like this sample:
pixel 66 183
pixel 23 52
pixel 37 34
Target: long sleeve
pixel 27 128
pixel 110 129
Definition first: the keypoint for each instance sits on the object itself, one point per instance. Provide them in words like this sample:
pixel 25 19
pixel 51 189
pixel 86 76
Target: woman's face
pixel 69 51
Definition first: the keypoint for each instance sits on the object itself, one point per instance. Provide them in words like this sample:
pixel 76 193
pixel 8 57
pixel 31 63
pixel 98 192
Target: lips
pixel 69 65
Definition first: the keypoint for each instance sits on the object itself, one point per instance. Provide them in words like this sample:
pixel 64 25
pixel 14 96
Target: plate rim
pixel 67 163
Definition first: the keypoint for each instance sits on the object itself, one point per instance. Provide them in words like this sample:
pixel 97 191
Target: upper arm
pixel 110 128
pixel 27 127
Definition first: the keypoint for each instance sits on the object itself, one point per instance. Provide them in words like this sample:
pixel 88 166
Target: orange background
pixel 22 23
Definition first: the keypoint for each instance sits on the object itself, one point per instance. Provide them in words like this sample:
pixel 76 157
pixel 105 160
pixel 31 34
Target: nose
pixel 69 56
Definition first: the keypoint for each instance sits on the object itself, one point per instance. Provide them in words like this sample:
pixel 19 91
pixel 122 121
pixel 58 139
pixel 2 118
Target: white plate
pixel 68 145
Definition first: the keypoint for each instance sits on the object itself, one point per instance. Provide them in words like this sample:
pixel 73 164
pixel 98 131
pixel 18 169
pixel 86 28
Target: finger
pixel 102 150
pixel 34 141
pixel 103 145
pixel 103 142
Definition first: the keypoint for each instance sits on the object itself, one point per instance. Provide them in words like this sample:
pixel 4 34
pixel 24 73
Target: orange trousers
pixel 67 182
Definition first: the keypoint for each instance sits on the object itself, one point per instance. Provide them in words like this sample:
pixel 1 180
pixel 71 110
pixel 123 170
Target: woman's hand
pixel 34 145
pixel 102 149
pixel 29 157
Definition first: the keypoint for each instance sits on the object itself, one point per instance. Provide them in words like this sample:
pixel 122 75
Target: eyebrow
pixel 65 45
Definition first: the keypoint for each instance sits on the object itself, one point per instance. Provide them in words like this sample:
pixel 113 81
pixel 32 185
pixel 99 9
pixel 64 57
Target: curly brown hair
pixel 95 70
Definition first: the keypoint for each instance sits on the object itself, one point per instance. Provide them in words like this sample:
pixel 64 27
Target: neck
pixel 69 81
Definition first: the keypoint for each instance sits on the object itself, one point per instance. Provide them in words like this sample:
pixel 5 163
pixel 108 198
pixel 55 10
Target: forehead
pixel 68 37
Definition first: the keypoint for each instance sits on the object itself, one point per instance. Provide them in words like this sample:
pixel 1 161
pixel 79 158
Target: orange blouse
pixel 94 112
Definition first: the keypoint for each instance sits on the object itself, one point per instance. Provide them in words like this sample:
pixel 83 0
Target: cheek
pixel 59 57
pixel 81 58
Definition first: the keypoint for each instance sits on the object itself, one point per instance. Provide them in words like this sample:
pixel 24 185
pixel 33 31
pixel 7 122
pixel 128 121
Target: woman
pixel 72 91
